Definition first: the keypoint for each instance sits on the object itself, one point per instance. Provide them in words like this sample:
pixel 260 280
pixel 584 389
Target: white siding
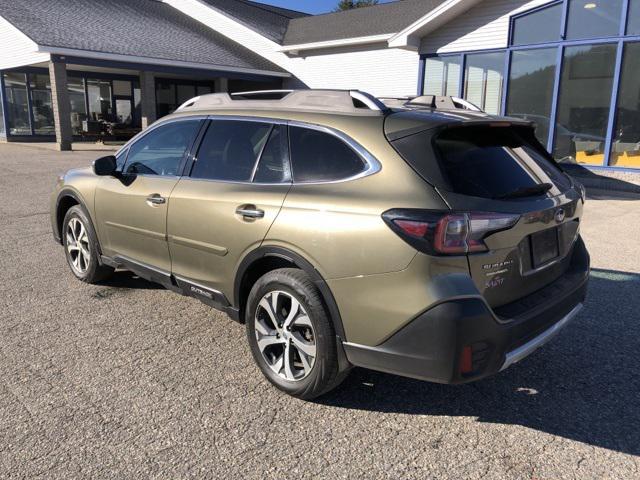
pixel 17 50
pixel 378 70
pixel 484 26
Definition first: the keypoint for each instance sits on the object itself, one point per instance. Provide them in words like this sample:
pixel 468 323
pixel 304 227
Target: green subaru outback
pixel 427 240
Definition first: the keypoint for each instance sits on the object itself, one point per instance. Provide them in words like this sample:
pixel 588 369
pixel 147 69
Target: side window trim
pixel 203 131
pixel 259 158
pixel 153 127
pixel 373 165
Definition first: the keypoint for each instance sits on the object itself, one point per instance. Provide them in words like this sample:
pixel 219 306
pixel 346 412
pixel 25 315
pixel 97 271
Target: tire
pixel 84 262
pixel 306 377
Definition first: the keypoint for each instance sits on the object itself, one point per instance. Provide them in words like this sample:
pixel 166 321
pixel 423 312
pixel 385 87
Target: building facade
pixel 570 66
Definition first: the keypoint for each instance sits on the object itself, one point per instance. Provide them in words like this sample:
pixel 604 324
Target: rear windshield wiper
pixel 526 191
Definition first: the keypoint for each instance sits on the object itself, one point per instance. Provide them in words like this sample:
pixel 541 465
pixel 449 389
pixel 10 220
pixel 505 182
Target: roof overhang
pixel 70 55
pixel 346 42
pixel 410 37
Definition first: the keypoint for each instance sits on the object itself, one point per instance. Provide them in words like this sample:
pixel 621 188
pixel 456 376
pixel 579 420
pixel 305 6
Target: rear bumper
pixel 431 346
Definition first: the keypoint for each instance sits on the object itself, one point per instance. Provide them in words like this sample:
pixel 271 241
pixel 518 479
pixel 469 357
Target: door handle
pixel 250 211
pixel 156 199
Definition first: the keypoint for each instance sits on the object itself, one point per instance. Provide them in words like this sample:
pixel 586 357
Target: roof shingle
pixel 384 18
pixel 141 28
pixel 270 21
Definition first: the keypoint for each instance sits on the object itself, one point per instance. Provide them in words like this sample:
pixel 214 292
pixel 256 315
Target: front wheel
pixel 81 247
pixel 290 334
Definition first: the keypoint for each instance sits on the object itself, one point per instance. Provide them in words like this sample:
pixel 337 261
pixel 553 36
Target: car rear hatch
pixel 519 213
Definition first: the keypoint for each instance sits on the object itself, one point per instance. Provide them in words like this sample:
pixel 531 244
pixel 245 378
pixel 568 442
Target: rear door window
pixel 318 156
pixel 482 161
pixel 230 150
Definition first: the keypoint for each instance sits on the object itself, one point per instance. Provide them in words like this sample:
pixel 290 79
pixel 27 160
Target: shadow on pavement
pixel 584 386
pixel 126 279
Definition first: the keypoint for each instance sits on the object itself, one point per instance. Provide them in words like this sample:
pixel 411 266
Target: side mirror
pixel 105 166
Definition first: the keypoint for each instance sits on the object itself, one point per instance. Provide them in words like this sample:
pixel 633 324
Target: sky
pixel 309 6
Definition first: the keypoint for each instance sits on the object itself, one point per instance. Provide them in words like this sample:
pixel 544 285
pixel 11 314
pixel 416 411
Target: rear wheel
pixel 290 334
pixel 81 247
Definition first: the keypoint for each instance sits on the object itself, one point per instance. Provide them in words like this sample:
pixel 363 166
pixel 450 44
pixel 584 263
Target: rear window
pixel 481 161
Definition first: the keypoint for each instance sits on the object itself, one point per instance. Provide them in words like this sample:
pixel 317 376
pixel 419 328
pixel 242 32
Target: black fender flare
pixel 66 192
pixel 303 264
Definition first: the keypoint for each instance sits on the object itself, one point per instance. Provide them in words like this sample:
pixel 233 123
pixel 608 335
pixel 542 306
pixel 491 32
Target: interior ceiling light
pixel 590 6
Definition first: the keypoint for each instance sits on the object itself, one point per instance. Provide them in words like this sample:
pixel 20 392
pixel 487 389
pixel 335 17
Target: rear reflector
pixel 466 360
pixel 446 233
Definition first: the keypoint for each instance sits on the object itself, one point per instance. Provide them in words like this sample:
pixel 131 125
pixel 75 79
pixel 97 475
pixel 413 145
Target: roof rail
pixel 442 103
pixel 353 102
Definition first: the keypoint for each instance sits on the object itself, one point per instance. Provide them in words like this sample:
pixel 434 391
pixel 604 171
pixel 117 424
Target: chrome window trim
pixel 373 164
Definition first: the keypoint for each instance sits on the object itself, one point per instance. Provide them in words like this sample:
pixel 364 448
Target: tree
pixel 351 4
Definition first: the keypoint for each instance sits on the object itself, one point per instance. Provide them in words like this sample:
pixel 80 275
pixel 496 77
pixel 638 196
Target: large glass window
pixel 626 136
pixel 100 106
pixel 162 149
pixel 531 83
pixel 633 25
pixel 165 98
pixel 483 81
pixel 230 150
pixel 442 76
pixel 78 105
pixel 185 92
pixel 17 105
pixel 2 132
pixel 41 105
pixel 538 27
pixel 583 106
pixel 594 18
pixel 321 157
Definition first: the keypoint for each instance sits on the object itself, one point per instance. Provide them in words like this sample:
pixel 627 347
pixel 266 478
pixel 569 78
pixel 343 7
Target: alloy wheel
pixel 78 246
pixel 285 336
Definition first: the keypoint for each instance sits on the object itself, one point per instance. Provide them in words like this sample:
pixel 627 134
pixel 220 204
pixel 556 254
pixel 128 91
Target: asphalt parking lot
pixel 127 380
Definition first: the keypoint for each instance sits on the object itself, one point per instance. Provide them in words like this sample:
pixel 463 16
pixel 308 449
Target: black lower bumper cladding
pixel 430 346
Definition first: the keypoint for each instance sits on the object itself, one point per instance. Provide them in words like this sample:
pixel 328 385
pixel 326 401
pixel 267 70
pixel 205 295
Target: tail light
pixel 447 233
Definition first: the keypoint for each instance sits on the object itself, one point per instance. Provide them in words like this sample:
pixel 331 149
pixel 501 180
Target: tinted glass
pixel 122 88
pixel 100 106
pixel 584 102
pixel 480 161
pixel 41 105
pixel 538 27
pixel 633 25
pixel 160 151
pixel 273 166
pixel 78 105
pixel 594 18
pixel 626 136
pixel 17 107
pixel 185 92
pixel 442 76
pixel 321 157
pixel 165 98
pixel 2 132
pixel 531 82
pixel 483 81
pixel 230 149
